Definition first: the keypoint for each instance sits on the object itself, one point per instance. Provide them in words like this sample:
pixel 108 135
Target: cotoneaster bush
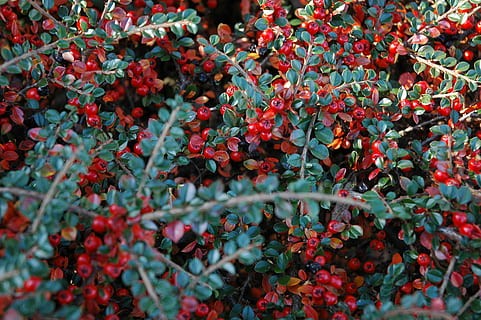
pixel 312 159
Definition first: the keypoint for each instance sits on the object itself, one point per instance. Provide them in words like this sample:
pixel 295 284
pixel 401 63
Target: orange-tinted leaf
pixel 174 231
pixel 69 233
pixel 296 247
pixel 56 274
pixel 293 281
pixel 407 79
pixel 225 32
pixel 396 258
pixel 344 116
pixel 6 128
pixel 251 164
pixel 288 147
pixel 336 243
pixel 374 173
pixel 221 156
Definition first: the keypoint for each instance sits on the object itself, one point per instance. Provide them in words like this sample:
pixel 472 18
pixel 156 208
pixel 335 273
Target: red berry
pixel 335 226
pixel 202 310
pixel 54 239
pixel 208 66
pixel 143 90
pixel 65 297
pixel 237 156
pixel 33 94
pixel 277 104
pixel 208 152
pixel 203 113
pixel 90 291
pixel 94 121
pixel 99 224
pixel 117 210
pixel 322 277
pixel 92 243
pixel 312 243
pixel 354 264
pixel 468 55
pixel 31 284
pixel 440 176
pixel 84 269
pixel 474 165
pixel 262 304
pixel 423 259
pixel 318 292
pixel 112 270
pixel 330 298
pixel 137 112
pixel 459 219
pixel 369 267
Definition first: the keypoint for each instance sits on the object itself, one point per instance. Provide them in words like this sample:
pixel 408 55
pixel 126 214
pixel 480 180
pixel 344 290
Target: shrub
pixel 310 160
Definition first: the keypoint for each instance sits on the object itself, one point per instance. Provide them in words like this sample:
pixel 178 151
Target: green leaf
pixel 298 137
pixel 318 150
pixel 195 266
pixel 261 24
pixel 48 4
pixel 335 78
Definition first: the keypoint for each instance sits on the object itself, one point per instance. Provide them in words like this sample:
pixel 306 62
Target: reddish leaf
pixel 221 156
pixel 6 128
pixel 374 173
pixel 310 312
pixel 10 156
pixel 340 174
pixel 407 79
pixel 56 274
pixel 344 116
pixel 426 240
pixel 418 39
pixel 17 115
pixel 174 231
pixel 233 143
pixel 457 279
pixel 225 32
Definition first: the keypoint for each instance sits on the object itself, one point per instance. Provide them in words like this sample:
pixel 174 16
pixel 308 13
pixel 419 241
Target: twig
pixel 468 303
pixel 150 290
pixel 41 196
pixel 302 171
pixel 418 312
pixel 26 55
pixel 69 87
pixel 8 275
pixel 53 188
pixel 157 147
pixel 411 128
pixel 303 69
pixel 219 264
pixel 44 12
pixel 260 197
pixel 175 266
pixel 447 275
pixel 444 69
pixel 104 12
pixel 350 84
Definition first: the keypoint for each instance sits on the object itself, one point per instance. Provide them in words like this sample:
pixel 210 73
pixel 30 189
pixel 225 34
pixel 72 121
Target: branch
pixel 418 312
pixel 44 12
pixel 412 128
pixel 156 150
pixel 303 69
pixel 306 147
pixel 150 290
pixel 8 275
pixel 468 303
pixel 104 12
pixel 175 266
pixel 260 197
pixel 51 191
pixel 219 264
pixel 447 275
pixel 41 196
pixel 445 70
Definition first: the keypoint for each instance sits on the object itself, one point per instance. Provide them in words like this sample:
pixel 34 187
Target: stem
pixel 150 290
pixel 445 70
pixel 41 196
pixel 306 147
pixel 104 12
pixel 51 191
pixel 468 303
pixel 260 197
pixel 219 264
pixel 44 12
pixel 8 275
pixel 175 266
pixel 447 275
pixel 418 312
pixel 412 128
pixel 156 150
pixel 303 69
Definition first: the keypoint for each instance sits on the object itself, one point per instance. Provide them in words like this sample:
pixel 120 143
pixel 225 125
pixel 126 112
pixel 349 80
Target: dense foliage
pixel 213 159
